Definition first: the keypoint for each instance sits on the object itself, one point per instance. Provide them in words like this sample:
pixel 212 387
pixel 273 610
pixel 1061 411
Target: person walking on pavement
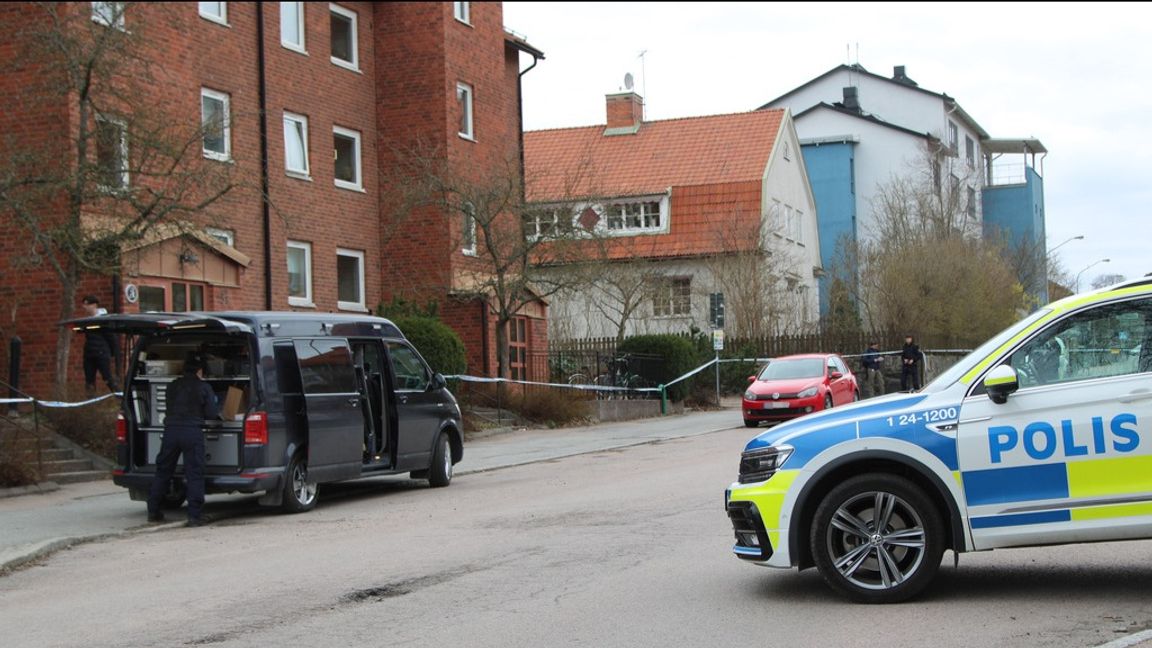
pixel 101 350
pixel 910 357
pixel 873 378
pixel 190 402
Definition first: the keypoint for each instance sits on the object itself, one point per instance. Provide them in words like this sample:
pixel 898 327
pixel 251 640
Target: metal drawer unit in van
pixel 221 447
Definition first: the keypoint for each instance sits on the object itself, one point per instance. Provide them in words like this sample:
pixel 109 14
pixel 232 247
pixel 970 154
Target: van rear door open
pixel 332 402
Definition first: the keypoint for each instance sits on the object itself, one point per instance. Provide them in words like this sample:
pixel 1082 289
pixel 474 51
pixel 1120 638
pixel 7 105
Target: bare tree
pixel 510 245
pixel 926 268
pixel 1105 280
pixel 125 164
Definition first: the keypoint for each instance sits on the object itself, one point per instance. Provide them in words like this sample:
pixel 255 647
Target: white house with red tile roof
pixel 682 209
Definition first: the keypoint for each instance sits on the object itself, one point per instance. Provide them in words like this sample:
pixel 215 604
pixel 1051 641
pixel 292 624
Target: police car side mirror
pixel 1000 382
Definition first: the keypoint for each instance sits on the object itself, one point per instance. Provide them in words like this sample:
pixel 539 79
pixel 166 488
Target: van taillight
pixel 256 429
pixel 121 429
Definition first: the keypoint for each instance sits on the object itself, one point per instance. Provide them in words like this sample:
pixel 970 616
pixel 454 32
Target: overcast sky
pixel 1076 76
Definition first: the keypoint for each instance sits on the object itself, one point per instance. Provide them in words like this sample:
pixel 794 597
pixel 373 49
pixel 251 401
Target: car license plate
pixel 776 405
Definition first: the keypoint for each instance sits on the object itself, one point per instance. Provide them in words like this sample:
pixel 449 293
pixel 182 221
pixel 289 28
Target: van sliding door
pixel 335 424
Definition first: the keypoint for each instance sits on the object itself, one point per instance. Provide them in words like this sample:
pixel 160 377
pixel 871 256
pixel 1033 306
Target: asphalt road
pixel 625 547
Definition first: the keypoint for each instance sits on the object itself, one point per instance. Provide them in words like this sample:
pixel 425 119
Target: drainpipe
pixel 266 207
pixel 520 111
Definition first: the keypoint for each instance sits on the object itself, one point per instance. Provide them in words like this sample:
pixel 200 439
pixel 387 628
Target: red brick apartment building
pixel 340 89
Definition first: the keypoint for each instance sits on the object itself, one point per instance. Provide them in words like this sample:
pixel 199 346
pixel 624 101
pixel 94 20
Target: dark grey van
pixel 305 399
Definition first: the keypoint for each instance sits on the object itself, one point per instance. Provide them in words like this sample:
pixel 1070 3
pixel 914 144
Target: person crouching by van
pixel 190 401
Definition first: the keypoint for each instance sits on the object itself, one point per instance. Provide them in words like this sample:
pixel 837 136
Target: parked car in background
pixel 792 386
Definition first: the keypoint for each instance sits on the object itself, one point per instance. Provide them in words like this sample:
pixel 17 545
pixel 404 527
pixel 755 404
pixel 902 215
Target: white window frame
pixel 359 306
pixel 464 98
pixel 664 288
pixel 226 99
pixel 109 14
pixel 221 18
pixel 306 172
pixel 462 11
pixel 468 229
pixel 306 300
pixel 625 226
pixel 225 236
pixel 354 64
pixel 970 151
pixel 302 45
pixel 124 177
pixel 953 137
pixel 348 133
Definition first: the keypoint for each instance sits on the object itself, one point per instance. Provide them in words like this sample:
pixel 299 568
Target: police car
pixel 1041 436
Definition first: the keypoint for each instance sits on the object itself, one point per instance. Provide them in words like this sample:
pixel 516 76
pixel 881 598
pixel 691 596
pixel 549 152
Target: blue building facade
pixel 832 174
pixel 1016 212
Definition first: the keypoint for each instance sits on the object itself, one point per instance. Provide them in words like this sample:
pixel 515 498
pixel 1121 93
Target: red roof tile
pixel 673 152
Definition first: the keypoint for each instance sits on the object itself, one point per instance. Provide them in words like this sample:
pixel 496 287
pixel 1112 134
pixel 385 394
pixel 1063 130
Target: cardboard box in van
pixel 235 404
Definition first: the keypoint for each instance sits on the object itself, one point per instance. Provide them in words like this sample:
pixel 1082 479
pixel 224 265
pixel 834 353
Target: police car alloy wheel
pixel 876 538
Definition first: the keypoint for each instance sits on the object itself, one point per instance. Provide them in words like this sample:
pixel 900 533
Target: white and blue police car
pixel 1041 436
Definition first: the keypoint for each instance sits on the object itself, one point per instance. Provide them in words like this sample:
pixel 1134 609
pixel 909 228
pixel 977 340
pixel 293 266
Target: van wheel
pixel 299 491
pixel 440 472
pixel 174 496
pixel 877 538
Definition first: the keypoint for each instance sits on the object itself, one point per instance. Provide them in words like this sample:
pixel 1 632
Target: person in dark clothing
pixel 190 401
pixel 873 378
pixel 910 356
pixel 101 350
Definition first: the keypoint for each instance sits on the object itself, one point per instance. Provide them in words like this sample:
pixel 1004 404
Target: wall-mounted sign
pixel 131 293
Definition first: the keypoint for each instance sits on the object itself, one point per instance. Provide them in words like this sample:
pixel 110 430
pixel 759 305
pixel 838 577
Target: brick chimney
pixel 625 113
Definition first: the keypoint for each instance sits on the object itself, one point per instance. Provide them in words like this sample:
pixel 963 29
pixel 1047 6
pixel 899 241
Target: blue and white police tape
pixel 44 403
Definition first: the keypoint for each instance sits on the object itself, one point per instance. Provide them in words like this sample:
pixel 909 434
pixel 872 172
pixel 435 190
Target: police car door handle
pixel 1137 395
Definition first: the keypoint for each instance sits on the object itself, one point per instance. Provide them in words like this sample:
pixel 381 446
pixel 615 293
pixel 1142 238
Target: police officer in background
pixel 873 377
pixel 101 350
pixel 910 356
pixel 190 401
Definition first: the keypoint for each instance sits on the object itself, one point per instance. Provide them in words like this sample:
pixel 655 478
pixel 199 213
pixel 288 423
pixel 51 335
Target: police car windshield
pixel 965 364
pixel 789 369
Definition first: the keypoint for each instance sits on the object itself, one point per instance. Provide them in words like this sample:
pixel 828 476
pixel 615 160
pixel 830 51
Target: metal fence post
pixel 14 347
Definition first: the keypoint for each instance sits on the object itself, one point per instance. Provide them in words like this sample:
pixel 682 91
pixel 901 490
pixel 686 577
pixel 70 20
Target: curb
pixel 34 489
pixel 1130 641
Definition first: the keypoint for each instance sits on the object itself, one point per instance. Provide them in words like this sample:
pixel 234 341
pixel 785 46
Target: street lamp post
pixel 1079 237
pixel 1086 269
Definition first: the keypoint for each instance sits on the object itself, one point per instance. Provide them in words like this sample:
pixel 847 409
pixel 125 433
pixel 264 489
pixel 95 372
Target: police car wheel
pixel 877 538
pixel 299 491
pixel 440 472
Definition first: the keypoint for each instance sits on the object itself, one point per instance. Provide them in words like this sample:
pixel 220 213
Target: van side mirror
pixel 1000 382
pixel 438 381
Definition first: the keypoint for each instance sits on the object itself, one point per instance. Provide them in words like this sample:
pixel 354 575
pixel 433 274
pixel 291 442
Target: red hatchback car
pixel 795 385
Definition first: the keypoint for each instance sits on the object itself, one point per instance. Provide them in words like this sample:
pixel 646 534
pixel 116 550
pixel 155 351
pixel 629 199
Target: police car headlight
pixel 808 393
pixel 760 464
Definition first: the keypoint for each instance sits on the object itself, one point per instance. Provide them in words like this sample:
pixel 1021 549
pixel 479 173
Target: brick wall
pixel 411 56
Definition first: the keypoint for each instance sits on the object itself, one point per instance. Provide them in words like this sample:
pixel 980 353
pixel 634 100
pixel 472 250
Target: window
pixel 216 124
pixel 111 153
pixel 953 138
pixel 463 12
pixel 346 145
pixel 350 280
pixel 326 366
pixel 187 297
pixel 468 232
pixel 635 216
pixel 300 273
pixel 970 151
pixel 292 25
pixel 970 208
pixel 110 14
pixel 408 371
pixel 671 296
pixel 344 48
pixel 541 224
pixel 225 236
pixel 296 144
pixel 215 11
pixel 787 152
pixel 1104 342
pixel 798 226
pixel 518 348
pixel 464 98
